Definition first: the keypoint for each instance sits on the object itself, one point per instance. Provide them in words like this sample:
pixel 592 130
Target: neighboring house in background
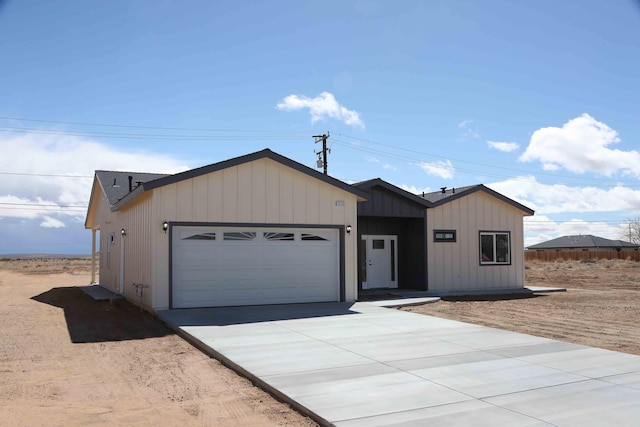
pixel 584 243
pixel 468 239
pixel 264 229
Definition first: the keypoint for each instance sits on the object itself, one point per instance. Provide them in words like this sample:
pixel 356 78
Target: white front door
pixel 381 262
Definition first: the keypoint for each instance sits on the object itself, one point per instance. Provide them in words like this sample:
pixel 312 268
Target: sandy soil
pixel 68 360
pixel 601 307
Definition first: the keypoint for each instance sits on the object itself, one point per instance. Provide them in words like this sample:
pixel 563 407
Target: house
pixel 264 229
pixel 455 240
pixel 256 229
pixel 584 243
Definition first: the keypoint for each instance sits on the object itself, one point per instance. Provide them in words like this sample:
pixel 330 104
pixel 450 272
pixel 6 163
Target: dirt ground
pixel 68 360
pixel 601 307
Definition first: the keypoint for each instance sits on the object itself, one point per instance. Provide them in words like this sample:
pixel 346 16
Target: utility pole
pixel 324 151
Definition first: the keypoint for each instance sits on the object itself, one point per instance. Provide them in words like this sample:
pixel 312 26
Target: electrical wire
pixel 343 140
pixel 349 144
pixel 146 127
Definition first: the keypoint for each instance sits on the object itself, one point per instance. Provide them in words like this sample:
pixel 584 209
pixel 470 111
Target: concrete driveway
pixel 357 364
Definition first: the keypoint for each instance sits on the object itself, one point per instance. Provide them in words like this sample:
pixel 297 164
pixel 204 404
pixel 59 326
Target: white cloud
pixel 51 223
pixel 581 145
pixel 322 107
pixel 561 198
pixel 415 190
pixel 30 163
pixel 469 130
pixel 443 169
pixel 507 147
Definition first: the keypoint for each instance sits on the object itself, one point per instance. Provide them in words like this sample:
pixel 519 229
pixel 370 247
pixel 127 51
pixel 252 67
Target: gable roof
pixel 377 182
pixel 147 182
pixel 582 241
pixel 438 198
pixel 115 184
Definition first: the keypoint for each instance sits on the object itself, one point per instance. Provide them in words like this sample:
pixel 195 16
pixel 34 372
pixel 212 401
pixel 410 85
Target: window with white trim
pixel 495 247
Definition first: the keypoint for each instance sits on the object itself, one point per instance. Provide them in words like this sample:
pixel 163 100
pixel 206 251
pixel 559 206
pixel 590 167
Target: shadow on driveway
pixel 99 321
pixel 224 316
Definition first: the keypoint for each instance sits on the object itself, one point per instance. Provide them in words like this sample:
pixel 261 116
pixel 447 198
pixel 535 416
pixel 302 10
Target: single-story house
pixel 264 229
pixel 256 229
pixel 454 240
pixel 584 243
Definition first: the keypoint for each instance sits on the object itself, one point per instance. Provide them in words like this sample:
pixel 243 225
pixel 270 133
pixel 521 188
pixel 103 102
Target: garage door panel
pixel 253 265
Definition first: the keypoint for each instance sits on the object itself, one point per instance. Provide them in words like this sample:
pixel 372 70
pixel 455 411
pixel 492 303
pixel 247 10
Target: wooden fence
pixel 580 255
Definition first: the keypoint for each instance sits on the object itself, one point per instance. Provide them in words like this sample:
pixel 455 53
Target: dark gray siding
pixel 411 248
pixel 384 203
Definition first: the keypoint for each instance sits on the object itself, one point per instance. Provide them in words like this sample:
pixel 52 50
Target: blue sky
pixel 538 100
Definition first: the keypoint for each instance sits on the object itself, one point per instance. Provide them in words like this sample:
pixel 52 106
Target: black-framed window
pixel 444 235
pixel 495 247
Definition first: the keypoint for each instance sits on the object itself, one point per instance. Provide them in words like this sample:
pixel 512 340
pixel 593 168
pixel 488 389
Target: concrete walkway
pixel 357 364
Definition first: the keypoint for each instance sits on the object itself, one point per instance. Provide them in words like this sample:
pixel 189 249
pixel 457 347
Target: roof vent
pixel 114 183
pixel 444 189
pixel 130 183
pixel 453 190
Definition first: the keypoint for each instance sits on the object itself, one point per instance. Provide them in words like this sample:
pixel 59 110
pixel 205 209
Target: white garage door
pixel 226 266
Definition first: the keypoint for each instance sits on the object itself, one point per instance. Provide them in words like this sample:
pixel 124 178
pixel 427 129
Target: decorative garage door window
pixel 312 237
pixel 234 265
pixel 278 236
pixel 495 248
pixel 240 235
pixel 201 236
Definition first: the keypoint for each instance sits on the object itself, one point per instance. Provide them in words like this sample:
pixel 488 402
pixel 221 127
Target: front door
pixel 381 262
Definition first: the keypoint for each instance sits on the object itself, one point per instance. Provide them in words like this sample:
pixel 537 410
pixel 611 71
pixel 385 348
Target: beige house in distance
pixel 264 229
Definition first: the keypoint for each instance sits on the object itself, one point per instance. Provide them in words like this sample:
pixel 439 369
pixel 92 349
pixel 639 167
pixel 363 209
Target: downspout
pixel 93 256
pixel 426 252
pixel 121 284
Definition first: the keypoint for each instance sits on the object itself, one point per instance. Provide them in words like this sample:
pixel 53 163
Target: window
pixel 495 248
pixel 378 244
pixel 287 237
pixel 239 235
pixel 444 235
pixel 314 237
pixel 201 236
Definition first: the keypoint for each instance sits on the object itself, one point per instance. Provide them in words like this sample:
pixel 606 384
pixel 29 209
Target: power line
pixel 46 175
pixel 289 135
pixel 43 210
pixel 143 127
pixel 354 146
pixel 74 133
pixel 44 205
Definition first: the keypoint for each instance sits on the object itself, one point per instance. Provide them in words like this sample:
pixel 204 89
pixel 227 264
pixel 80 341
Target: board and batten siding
pixel 455 266
pixel 262 191
pixel 138 249
pixel 134 251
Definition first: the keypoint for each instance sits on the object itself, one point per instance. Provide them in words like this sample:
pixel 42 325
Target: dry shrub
pixel 559 259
